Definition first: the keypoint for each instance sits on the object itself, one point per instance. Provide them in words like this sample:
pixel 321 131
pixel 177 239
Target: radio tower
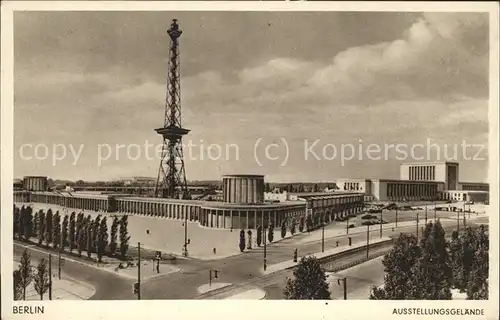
pixel 171 182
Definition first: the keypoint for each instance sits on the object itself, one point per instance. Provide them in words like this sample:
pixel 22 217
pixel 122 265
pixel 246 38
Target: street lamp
pixel 323 237
pixel 396 215
pixel 265 247
pixel 417 224
pixel 347 225
pixel 344 280
pixel 367 239
pixel 381 210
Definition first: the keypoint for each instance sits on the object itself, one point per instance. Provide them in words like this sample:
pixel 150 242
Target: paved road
pixel 108 286
pixel 194 273
pixel 248 265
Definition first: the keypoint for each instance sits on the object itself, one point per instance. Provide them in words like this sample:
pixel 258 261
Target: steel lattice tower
pixel 171 182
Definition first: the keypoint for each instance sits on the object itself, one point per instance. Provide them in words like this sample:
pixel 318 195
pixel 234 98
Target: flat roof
pixel 428 163
pixel 466 191
pixel 243 175
pixel 406 181
pixel 324 194
pixel 223 205
pixel 482 183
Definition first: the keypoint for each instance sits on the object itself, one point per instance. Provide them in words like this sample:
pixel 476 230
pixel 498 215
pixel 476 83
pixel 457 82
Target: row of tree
pixel 26 274
pixel 427 269
pixel 309 222
pixel 75 232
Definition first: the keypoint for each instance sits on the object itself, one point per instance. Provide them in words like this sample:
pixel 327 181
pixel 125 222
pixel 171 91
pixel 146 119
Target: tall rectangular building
pixel 446 172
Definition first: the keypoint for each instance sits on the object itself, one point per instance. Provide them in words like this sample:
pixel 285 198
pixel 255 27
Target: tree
pixel 89 238
pixel 95 234
pixel 71 234
pixel 124 237
pixel 432 272
pixel 36 225
pixel 242 240
pixel 18 289
pixel 26 272
pixel 309 222
pixel 42 278
pixel 270 233
pixel 28 223
pixel 17 214
pixel 56 230
pixel 42 226
pixel 267 187
pixel 477 286
pixel 102 240
pixel 398 264
pixel 309 282
pixel 48 227
pixel 114 231
pixel 20 221
pixel 283 229
pixel 259 235
pixel 292 226
pixel 249 245
pixel 301 224
pixel 64 232
pixel 79 234
pixel 81 240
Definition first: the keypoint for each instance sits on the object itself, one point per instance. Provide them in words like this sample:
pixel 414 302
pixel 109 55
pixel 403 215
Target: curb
pixel 34 248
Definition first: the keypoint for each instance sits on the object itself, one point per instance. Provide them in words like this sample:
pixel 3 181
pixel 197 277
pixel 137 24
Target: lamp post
pixel 425 215
pixel 367 240
pixel 185 253
pixel 323 237
pixel 435 211
pixel 381 220
pixel 139 271
pixel 50 276
pixel 417 224
pixel 347 225
pixel 265 247
pixel 344 282
pixel 396 215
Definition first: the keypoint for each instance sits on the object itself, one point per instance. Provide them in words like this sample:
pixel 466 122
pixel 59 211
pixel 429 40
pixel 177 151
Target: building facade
pixel 210 214
pixel 35 183
pixel 418 181
pixel 247 189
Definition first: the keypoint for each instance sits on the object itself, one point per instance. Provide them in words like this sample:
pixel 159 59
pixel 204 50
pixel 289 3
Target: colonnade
pixel 411 191
pixel 159 208
pixel 249 217
pixel 96 203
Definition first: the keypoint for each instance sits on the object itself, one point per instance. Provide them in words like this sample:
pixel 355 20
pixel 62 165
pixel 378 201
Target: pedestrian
pixel 215 251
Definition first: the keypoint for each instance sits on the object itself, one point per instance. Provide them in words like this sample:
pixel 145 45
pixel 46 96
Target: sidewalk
pixel 65 288
pixel 290 264
pixel 253 294
pixel 332 233
pixel 147 271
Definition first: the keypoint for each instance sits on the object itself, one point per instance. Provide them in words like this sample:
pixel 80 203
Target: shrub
pixel 259 236
pixel 283 229
pixel 270 234
pixel 242 240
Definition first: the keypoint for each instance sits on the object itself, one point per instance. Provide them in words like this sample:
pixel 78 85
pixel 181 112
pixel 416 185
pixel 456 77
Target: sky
pixel 296 96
